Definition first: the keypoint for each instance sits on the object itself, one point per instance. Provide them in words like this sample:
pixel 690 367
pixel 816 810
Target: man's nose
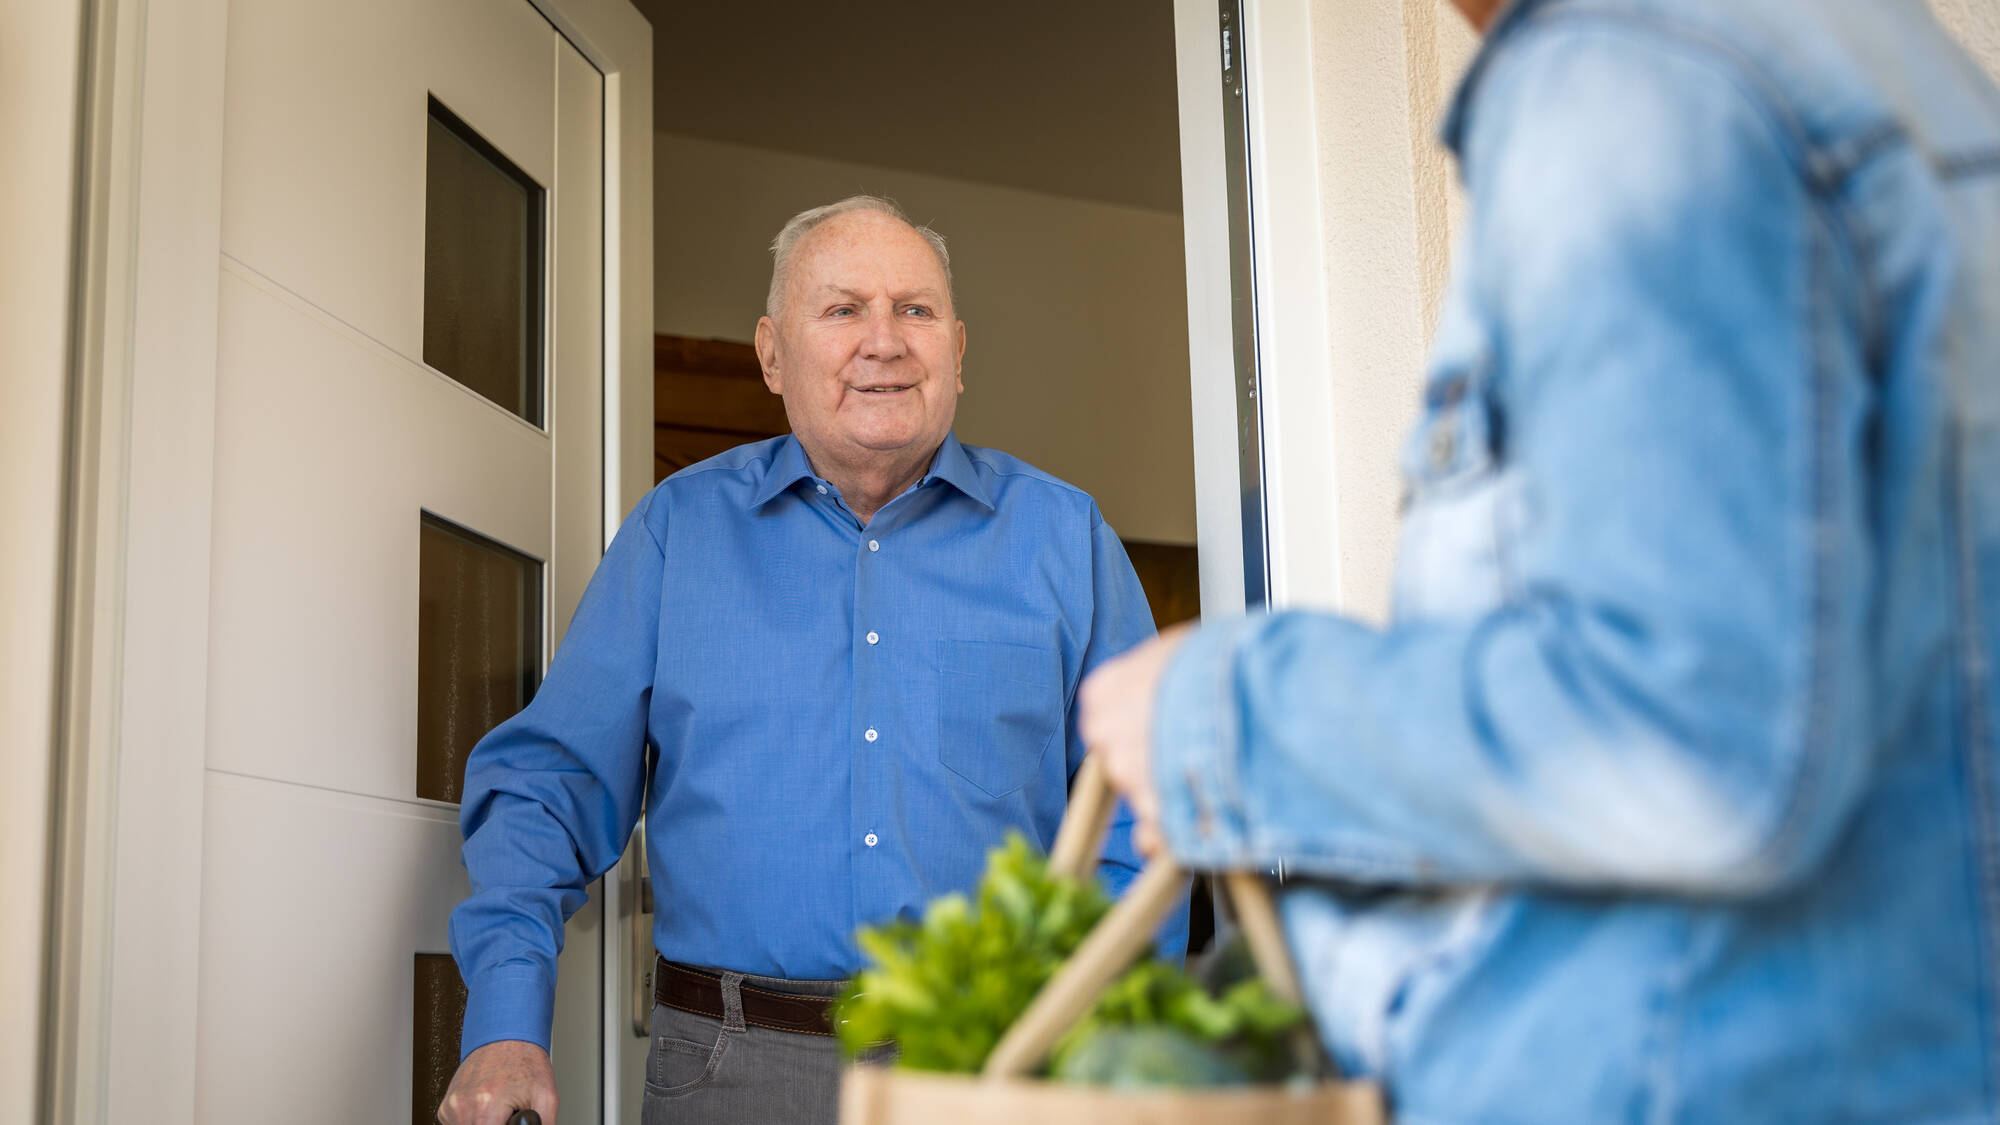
pixel 884 340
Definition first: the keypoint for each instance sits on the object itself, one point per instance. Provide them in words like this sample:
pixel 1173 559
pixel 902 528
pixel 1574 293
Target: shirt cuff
pixel 1197 748
pixel 514 1001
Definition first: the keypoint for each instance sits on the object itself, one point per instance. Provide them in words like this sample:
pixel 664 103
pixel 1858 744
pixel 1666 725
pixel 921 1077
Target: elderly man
pixel 837 667
pixel 1671 792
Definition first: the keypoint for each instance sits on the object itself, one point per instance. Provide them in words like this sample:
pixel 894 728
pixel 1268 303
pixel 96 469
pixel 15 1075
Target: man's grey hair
pixel 801 224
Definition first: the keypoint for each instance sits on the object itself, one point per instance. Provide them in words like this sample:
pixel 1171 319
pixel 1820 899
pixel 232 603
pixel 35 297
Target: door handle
pixel 639 892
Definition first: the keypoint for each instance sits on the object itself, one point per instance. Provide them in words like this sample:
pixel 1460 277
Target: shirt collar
pixel 788 467
pixel 1452 133
pixel 951 465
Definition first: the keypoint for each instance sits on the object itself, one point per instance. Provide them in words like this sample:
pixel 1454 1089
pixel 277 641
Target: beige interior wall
pixel 1976 23
pixel 1075 310
pixel 39 53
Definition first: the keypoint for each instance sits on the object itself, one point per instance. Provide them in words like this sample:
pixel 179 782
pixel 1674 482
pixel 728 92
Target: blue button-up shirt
pixel 830 722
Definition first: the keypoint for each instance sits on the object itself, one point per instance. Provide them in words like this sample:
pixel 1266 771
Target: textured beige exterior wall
pixel 1075 311
pixel 1976 23
pixel 1384 73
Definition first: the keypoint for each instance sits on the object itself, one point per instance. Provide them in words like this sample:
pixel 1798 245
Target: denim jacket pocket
pixel 999 707
pixel 1456 442
pixel 1459 498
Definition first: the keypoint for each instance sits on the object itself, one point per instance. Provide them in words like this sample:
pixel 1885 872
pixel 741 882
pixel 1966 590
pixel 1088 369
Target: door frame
pixel 1259 366
pixel 39 129
pixel 131 705
pixel 122 950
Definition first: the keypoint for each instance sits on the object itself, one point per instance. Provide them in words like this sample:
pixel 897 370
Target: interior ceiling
pixel 1061 96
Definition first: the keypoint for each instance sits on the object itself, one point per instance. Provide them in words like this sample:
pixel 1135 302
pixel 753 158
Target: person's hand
pixel 1116 721
pixel 498 1079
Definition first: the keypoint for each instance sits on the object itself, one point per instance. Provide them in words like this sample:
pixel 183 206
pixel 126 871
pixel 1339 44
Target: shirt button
pixel 869 839
pixel 822 490
pixel 874 637
pixel 874 546
pixel 870 734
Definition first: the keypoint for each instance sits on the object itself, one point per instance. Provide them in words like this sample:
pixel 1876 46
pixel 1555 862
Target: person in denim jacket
pixel 1669 794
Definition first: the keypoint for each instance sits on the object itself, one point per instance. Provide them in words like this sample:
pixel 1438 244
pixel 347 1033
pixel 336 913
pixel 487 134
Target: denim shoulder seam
pixel 1863 151
pixel 1860 154
pixel 1967 165
pixel 1823 167
pixel 1814 718
pixel 1844 229
pixel 1977 740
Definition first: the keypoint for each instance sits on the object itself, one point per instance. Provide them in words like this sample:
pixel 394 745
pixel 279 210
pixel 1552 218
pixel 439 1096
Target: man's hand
pixel 498 1079
pixel 1116 720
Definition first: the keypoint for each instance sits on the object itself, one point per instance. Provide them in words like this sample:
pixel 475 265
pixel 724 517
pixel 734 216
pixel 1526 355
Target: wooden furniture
pixel 708 396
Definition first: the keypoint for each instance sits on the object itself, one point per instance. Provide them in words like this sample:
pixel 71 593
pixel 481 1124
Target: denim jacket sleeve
pixel 1657 691
pixel 552 794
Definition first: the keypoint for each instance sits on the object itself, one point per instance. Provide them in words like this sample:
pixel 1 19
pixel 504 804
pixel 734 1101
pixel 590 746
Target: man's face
pixel 865 349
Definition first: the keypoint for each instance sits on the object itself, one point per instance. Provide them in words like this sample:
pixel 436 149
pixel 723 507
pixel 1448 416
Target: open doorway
pixel 1041 138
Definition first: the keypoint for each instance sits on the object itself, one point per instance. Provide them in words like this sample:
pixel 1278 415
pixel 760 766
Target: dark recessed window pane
pixel 482 267
pixel 479 648
pixel 440 1013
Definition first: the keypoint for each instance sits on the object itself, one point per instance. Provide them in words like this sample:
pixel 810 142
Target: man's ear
pixel 961 357
pixel 767 355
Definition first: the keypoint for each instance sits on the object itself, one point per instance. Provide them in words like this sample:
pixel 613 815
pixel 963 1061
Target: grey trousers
pixel 704 1071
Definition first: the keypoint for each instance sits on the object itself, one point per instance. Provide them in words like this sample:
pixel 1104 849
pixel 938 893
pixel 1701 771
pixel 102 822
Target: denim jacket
pixel 1669 793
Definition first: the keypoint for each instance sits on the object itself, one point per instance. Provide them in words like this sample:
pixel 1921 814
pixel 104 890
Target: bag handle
pixel 1119 938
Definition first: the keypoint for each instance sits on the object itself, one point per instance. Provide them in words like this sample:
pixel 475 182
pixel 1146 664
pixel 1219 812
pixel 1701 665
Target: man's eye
pixel 917 310
pixel 840 310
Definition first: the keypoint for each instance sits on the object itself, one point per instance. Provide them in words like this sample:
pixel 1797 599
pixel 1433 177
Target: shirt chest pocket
pixel 1000 706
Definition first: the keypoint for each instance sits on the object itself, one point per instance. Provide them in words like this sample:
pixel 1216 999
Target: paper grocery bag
pixel 877 1095
pixel 1001 1095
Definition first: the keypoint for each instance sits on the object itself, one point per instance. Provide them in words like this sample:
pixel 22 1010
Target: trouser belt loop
pixel 732 1001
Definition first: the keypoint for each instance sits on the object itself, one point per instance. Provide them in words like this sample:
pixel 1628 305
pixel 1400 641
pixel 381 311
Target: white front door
pixel 408 502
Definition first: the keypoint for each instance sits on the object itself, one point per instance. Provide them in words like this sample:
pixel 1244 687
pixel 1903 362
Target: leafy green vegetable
pixel 1136 1058
pixel 945 989
pixel 1246 1025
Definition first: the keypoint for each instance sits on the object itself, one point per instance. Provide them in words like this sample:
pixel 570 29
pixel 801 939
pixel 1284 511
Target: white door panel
pixel 300 1021
pixel 312 914
pixel 328 450
pixel 324 875
pixel 323 157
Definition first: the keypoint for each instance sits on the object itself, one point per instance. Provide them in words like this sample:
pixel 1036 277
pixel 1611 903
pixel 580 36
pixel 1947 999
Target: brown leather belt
pixel 692 990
